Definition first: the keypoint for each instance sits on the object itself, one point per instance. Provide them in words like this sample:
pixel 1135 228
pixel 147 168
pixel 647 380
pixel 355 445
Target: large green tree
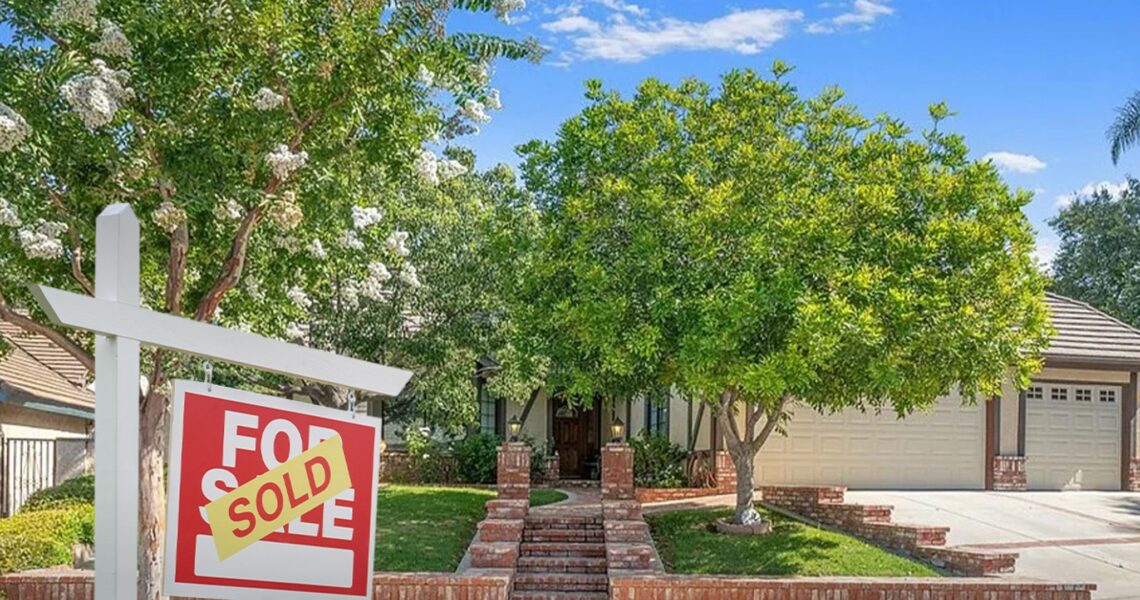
pixel 757 250
pixel 1098 260
pixel 262 142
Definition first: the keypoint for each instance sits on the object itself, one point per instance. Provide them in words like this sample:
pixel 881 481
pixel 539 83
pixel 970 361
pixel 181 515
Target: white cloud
pixel 862 15
pixel 742 32
pixel 1011 162
pixel 625 7
pixel 1113 189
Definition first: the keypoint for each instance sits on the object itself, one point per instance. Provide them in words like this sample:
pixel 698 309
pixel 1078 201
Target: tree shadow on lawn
pixel 688 544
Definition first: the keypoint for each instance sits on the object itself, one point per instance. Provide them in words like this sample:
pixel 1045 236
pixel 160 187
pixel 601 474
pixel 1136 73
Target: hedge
pixel 38 539
pixel 77 490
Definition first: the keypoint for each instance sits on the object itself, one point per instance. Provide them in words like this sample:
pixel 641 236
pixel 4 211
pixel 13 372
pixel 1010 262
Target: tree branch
pixel 61 340
pixel 774 417
pixel 176 269
pixel 231 271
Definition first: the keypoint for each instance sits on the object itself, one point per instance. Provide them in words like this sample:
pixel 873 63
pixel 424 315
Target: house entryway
pixel 576 436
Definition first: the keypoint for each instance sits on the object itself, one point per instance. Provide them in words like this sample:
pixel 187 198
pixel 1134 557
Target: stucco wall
pixel 1009 419
pixel 19 422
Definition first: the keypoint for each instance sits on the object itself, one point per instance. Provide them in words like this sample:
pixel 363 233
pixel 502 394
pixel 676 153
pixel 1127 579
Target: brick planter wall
pixel 80 585
pixel 668 494
pixel 687 587
pixel 1134 476
pixel 396 467
pixel 1009 473
pixel 496 544
pixel 873 522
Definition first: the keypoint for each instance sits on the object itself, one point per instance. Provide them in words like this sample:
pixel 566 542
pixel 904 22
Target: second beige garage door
pixel 942 449
pixel 1072 436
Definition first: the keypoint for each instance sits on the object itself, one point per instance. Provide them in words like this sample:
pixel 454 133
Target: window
pixel 1035 393
pixel 488 409
pixel 657 418
pixel 1108 395
pixel 1059 393
pixel 1084 395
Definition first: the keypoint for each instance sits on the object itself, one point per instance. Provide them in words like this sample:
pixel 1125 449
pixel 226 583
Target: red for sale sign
pixel 269 498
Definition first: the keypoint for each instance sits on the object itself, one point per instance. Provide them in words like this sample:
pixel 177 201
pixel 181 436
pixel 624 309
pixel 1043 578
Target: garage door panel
pixel 941 449
pixel 1070 443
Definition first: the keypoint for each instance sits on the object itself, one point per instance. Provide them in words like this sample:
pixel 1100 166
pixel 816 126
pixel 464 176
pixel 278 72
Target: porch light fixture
pixel 515 426
pixel 618 429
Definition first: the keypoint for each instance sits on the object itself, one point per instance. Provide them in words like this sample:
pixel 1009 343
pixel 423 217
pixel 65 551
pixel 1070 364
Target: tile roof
pixel 38 367
pixel 1087 334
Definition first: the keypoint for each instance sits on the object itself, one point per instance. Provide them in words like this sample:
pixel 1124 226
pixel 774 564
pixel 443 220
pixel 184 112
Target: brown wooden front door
pixel 576 440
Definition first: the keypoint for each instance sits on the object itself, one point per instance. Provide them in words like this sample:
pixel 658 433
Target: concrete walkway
pixel 1091 537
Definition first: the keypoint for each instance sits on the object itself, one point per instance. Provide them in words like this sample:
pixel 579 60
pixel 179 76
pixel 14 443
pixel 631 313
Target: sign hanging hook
pixel 352 403
pixel 208 374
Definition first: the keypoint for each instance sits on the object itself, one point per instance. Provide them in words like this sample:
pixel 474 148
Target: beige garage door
pixel 1072 437
pixel 941 449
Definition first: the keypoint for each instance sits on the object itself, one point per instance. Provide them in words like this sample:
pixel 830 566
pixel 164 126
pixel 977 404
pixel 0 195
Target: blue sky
pixel 1034 82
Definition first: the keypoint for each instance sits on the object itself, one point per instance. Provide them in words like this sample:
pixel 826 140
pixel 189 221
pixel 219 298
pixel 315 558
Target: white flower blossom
pixel 504 8
pixel 297 296
pixel 97 97
pixel 8 215
pixel 284 211
pixel 474 111
pixel 450 169
pixel 426 166
pixel 373 285
pixel 494 102
pixel 287 241
pixel 112 42
pixel 397 243
pixel 365 216
pixel 42 240
pixel 351 241
pixel 75 12
pixel 267 99
pixel 168 216
pixel 316 249
pixel 284 162
pixel 228 209
pixel 409 276
pixel 350 294
pixel 425 76
pixel 254 289
pixel 296 331
pixel 13 128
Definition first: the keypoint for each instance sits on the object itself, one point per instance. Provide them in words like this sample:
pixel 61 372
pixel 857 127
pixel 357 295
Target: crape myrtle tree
pixel 760 251
pixel 257 140
pixel 1099 255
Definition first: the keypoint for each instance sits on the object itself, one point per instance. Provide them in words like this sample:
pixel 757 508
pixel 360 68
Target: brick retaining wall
pixel 68 584
pixel 1134 477
pixel 687 587
pixel 1009 474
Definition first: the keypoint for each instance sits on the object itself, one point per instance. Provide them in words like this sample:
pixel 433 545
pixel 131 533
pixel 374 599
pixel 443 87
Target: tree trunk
pixel 152 494
pixel 745 513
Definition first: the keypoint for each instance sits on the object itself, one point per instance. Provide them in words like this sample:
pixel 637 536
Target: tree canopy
pixel 1098 260
pixel 753 247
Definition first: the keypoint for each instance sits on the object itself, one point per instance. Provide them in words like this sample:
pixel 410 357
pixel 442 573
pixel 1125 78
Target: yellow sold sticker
pixel 266 503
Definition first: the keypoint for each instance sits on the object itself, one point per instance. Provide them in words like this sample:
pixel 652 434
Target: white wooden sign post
pixel 120 325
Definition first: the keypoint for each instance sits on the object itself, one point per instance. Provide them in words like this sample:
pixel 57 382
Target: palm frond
pixel 1125 130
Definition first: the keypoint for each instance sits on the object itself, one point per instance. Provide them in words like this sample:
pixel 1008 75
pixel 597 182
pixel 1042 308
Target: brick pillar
pixel 1008 473
pixel 617 472
pixel 1134 477
pixel 514 471
pixel 725 472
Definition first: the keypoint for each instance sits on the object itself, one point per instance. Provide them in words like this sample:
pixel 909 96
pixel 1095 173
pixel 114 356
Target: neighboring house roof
pixel 38 374
pixel 1085 334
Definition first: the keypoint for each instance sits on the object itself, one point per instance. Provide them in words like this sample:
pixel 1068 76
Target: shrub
pixel 431 459
pixel 477 457
pixel 657 462
pixel 538 454
pixel 38 539
pixel 77 490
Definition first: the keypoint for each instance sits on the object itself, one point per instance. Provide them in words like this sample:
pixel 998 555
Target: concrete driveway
pixel 1083 537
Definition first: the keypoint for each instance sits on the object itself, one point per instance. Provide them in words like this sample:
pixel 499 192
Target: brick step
pixel 550 595
pixel 573 522
pixel 561 564
pixel 568 549
pixel 904 536
pixel 563 535
pixel 562 582
pixel 506 509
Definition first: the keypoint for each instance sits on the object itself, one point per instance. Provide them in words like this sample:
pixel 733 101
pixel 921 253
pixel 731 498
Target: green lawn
pixel 687 545
pixel 543 496
pixel 421 528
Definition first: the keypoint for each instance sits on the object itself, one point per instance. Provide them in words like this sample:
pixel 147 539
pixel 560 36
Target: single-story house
pixel 1075 427
pixel 47 413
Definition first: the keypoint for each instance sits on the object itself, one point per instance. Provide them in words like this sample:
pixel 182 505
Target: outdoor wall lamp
pixel 515 426
pixel 618 429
